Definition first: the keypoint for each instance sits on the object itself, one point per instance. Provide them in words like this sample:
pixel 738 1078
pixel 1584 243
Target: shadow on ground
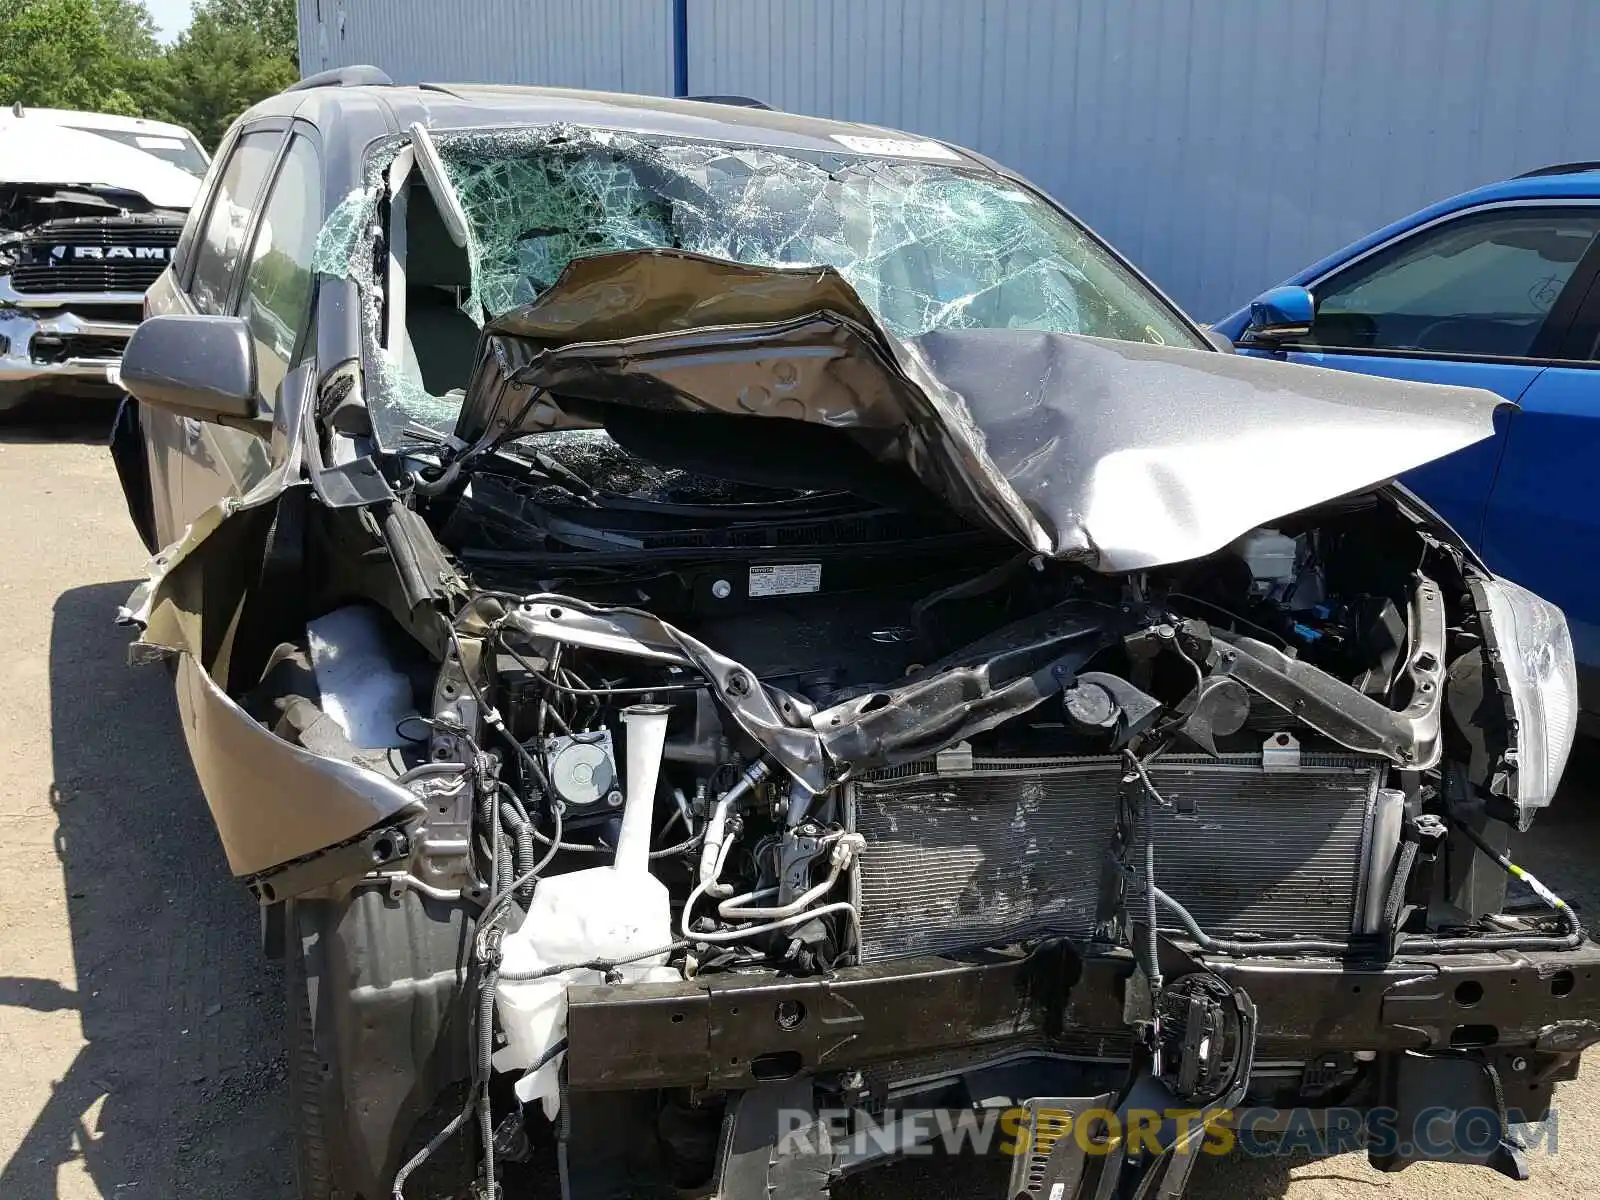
pixel 58 419
pixel 182 1016
pixel 974 1178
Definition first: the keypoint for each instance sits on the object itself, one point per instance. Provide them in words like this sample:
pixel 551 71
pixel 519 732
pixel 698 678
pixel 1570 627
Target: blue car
pixel 1495 288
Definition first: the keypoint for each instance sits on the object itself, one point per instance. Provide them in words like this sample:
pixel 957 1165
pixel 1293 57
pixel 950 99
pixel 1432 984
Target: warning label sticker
pixel 785 579
pixel 897 147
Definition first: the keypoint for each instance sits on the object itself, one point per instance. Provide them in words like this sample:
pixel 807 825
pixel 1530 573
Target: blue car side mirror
pixel 1281 313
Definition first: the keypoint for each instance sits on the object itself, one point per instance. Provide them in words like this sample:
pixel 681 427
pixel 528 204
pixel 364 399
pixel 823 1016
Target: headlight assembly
pixel 1533 650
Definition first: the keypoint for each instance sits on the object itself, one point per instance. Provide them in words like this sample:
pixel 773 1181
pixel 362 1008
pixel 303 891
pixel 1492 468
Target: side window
pixel 1484 284
pixel 278 281
pixel 217 255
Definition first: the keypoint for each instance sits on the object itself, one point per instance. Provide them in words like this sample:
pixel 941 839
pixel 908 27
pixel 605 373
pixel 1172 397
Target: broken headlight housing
pixel 1534 649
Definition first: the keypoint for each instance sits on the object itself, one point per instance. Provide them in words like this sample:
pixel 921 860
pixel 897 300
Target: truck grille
pixel 94 255
pixel 1018 848
pixel 53 348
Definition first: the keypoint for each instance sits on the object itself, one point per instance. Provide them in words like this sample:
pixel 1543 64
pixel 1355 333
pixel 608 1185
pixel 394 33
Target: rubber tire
pixel 316 1098
pixel 308 1074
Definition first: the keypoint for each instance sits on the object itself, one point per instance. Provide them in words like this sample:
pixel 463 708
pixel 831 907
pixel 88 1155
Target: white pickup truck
pixel 88 221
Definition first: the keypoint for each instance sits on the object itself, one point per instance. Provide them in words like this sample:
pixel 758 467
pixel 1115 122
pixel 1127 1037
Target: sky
pixel 171 17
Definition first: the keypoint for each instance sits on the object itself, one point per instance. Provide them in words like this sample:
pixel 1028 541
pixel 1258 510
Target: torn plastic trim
pixel 1410 738
pixel 167 625
pixel 995 679
pixel 438 181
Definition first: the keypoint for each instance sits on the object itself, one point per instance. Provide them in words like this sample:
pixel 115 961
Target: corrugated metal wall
pixel 1221 144
pixel 613 45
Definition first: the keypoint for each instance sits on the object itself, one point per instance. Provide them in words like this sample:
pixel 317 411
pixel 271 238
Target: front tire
pixel 343 1149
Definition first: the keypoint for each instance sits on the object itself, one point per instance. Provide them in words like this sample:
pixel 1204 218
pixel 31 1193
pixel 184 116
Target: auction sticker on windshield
pixel 897 147
pixel 785 579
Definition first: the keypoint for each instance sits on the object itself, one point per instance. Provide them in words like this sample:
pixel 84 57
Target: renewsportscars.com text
pixel 1257 1132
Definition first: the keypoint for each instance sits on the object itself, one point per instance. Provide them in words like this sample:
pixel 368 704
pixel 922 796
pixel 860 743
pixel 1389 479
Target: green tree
pixel 275 20
pixel 129 29
pixel 103 56
pixel 76 53
pixel 215 71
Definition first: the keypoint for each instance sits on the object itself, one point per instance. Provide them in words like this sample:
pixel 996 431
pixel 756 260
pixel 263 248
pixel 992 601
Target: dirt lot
pixel 139 1028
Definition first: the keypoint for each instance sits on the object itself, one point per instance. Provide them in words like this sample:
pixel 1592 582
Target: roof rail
pixel 1570 168
pixel 736 101
pixel 359 75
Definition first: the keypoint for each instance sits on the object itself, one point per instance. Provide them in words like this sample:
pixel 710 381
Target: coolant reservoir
pixel 601 913
pixel 1271 555
pixel 605 913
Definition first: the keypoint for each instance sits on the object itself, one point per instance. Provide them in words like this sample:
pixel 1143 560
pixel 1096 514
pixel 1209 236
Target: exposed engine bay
pixel 798 732
pixel 23 205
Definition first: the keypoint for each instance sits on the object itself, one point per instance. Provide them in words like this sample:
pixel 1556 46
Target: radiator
pixel 1008 850
pixel 1264 853
pixel 1017 848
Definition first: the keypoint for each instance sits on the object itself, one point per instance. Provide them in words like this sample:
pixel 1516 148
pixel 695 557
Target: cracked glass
pixel 926 246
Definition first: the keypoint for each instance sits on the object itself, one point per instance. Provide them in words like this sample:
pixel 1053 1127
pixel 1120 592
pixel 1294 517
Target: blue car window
pixel 1481 285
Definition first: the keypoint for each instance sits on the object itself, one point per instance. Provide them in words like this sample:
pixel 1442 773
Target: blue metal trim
pixel 680 47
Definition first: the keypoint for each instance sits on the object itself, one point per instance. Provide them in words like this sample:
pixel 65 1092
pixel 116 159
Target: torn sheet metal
pixel 1123 455
pixel 274 802
pixel 169 606
pixel 1412 738
pixel 1136 455
pixel 1002 676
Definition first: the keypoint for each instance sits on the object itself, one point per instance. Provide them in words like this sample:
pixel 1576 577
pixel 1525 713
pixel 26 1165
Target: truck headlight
pixel 1534 649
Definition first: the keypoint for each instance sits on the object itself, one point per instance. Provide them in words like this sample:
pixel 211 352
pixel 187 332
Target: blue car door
pixel 1542 528
pixel 1484 298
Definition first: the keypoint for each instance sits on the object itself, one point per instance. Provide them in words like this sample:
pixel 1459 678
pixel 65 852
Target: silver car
pixel 722 640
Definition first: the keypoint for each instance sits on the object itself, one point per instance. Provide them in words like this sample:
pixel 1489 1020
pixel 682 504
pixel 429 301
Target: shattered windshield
pixel 182 152
pixel 927 246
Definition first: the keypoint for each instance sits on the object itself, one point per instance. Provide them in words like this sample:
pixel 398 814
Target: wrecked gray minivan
pixel 710 633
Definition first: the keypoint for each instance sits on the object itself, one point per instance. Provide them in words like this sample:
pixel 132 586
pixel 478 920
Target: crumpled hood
pixel 1121 455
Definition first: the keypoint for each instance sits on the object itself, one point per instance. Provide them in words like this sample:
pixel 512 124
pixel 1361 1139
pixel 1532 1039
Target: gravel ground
pixel 139 1028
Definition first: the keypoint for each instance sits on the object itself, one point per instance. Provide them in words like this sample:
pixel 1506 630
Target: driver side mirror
pixel 194 366
pixel 1280 315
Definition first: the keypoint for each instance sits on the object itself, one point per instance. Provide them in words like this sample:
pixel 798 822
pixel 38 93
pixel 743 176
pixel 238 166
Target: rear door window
pixel 221 247
pixel 1487 284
